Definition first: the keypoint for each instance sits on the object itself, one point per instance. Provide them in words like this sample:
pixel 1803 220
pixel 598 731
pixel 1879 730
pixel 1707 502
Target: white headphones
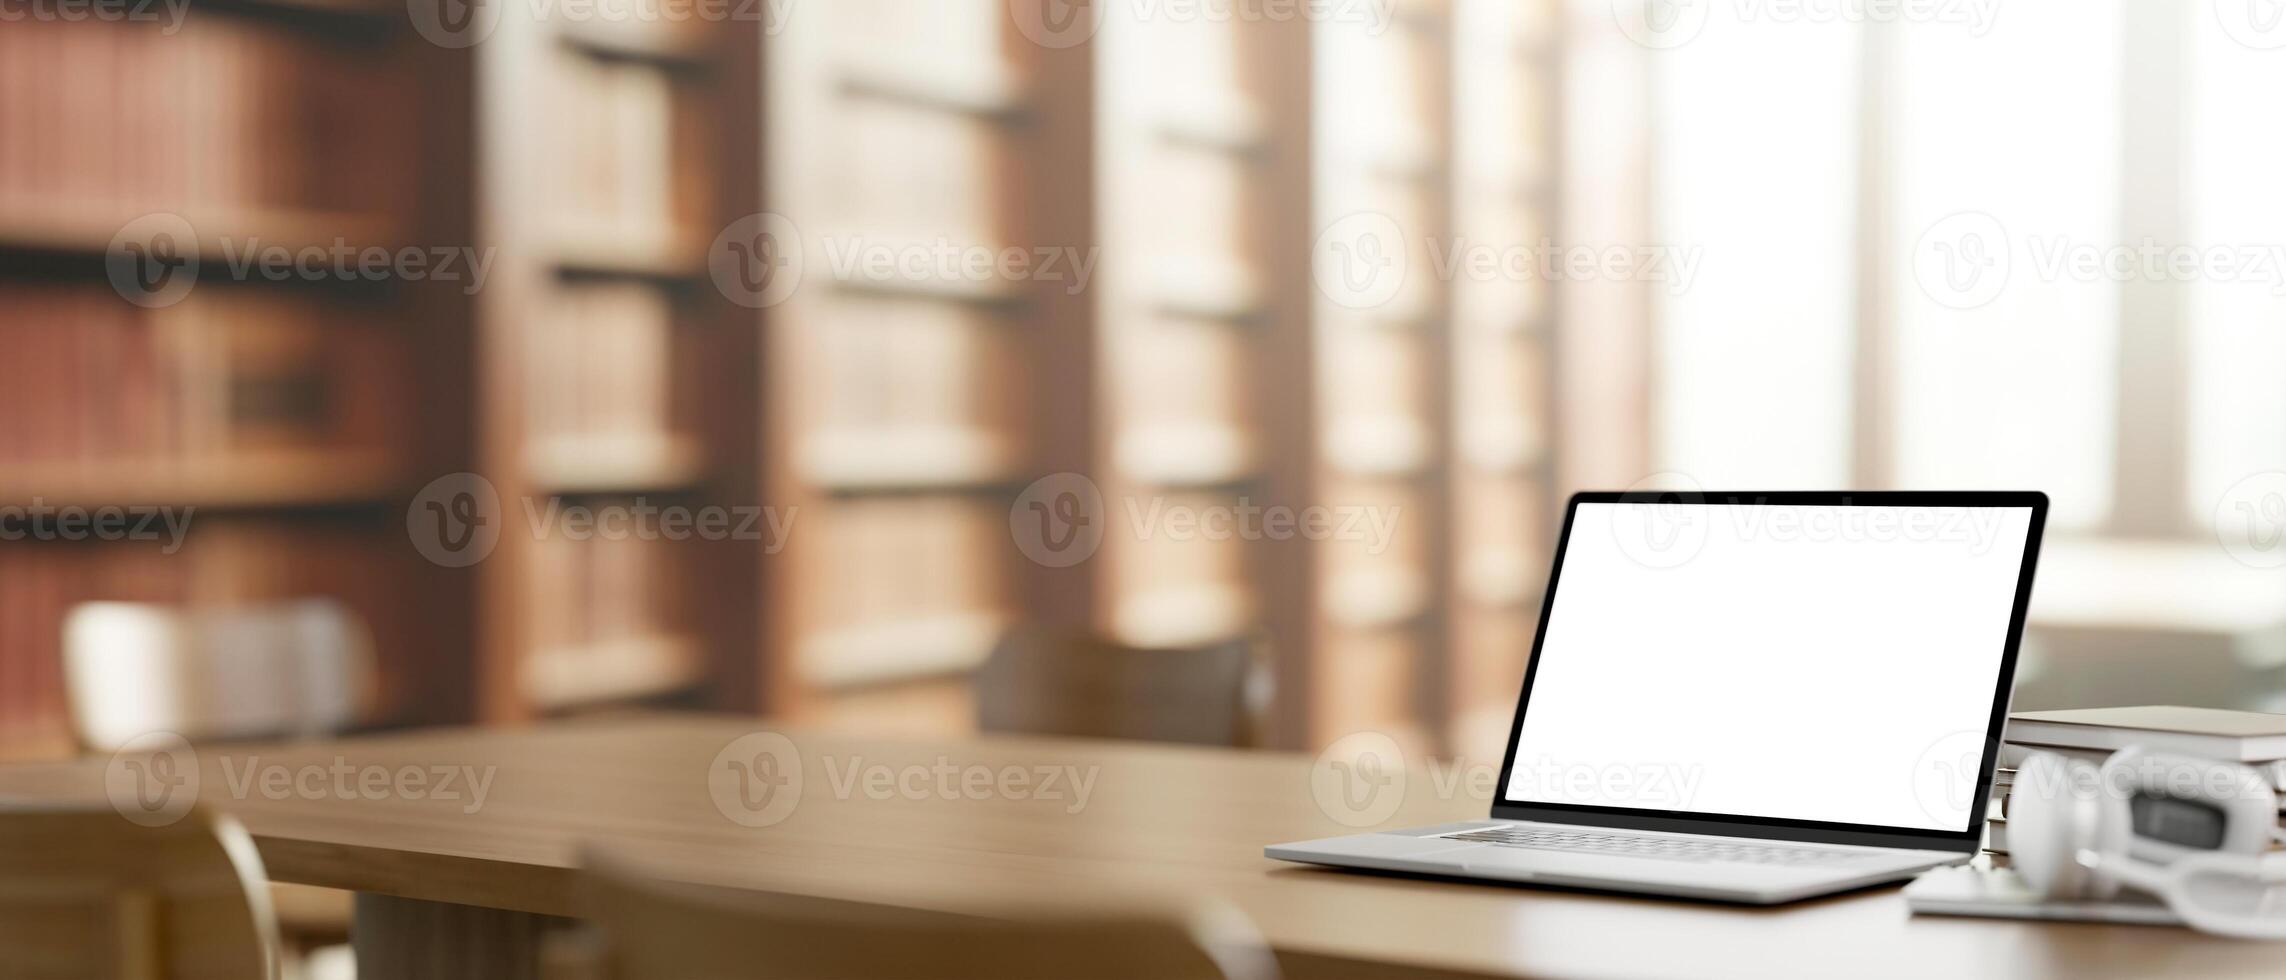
pixel 2193 832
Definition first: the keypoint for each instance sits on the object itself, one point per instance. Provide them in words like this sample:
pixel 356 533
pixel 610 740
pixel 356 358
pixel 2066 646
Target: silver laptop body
pixel 1823 677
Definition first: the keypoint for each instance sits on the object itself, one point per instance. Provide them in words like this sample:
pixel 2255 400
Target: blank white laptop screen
pixel 1786 661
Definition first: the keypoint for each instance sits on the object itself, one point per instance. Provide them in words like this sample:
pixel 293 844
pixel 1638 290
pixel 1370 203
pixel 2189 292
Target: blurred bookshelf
pixel 897 401
pixel 611 372
pixel 295 416
pixel 894 417
pixel 1385 133
pixel 1504 495
pixel 1186 319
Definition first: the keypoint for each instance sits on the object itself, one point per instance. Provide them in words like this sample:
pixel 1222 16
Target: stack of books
pixel 2252 738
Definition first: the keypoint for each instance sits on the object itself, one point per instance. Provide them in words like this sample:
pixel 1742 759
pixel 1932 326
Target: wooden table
pixel 446 892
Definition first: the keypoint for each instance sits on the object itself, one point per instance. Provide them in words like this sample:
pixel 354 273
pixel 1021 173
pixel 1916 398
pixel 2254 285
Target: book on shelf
pixel 917 587
pixel 607 622
pixel 604 364
pixel 100 386
pixel 229 115
pixel 628 170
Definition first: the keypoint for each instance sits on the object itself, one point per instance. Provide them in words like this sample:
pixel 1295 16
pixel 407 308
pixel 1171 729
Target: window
pixel 2237 203
pixel 1982 351
pixel 2007 150
pixel 1755 201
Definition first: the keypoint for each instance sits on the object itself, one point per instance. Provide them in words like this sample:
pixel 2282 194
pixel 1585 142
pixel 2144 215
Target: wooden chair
pixel 272 670
pixel 654 930
pixel 1052 682
pixel 86 894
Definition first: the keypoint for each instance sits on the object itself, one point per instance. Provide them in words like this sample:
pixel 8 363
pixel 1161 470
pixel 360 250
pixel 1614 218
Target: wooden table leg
pixel 411 939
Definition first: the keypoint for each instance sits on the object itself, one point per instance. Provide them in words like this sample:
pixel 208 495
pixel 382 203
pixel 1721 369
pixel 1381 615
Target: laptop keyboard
pixel 1668 848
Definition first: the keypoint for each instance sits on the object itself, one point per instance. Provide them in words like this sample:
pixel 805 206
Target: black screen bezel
pixel 1738 825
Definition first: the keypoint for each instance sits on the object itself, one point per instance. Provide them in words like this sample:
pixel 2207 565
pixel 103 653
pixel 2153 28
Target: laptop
pixel 1746 697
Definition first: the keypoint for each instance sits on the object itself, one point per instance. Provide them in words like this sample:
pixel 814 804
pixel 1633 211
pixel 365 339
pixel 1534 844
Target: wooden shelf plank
pixel 1410 310
pixel 1411 158
pixel 888 652
pixel 1503 446
pixel 373 11
pixel 1187 455
pixel 614 670
pixel 1531 324
pixel 1498 578
pixel 665 44
pixel 913 458
pixel 993 293
pixel 632 255
pixel 1232 126
pixel 1205 289
pixel 1378 447
pixel 1185 615
pixel 994 92
pixel 241 480
pixel 612 464
pixel 88 228
pixel 1377 598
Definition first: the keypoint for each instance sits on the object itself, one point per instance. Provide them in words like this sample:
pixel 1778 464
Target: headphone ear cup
pixel 2056 809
